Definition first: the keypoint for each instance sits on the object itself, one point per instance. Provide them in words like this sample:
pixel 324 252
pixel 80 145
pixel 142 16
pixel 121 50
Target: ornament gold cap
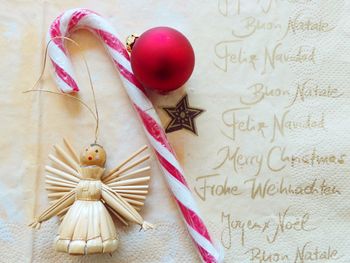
pixel 130 41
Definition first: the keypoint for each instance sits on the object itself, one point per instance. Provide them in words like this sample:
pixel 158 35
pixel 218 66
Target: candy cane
pixel 74 19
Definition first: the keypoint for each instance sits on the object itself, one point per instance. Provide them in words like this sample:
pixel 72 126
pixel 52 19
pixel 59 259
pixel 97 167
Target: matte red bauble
pixel 162 59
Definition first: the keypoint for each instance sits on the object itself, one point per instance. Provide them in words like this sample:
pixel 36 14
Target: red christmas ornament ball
pixel 162 59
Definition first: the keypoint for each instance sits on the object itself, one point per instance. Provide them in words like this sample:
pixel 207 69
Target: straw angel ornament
pixel 84 196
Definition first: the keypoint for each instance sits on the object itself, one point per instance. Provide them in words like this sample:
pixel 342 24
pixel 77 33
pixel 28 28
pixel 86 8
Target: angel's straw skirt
pixel 87 228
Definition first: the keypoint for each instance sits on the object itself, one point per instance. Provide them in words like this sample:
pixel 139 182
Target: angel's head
pixel 93 154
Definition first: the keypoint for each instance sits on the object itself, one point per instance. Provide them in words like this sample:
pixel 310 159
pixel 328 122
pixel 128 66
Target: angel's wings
pixel 128 183
pixel 64 174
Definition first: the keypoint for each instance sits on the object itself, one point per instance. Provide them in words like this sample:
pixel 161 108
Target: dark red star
pixel 182 116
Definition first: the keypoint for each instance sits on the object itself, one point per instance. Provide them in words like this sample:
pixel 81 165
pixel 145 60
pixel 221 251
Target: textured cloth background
pixel 31 124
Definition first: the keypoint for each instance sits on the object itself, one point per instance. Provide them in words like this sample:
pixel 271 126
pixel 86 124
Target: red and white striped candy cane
pixel 74 19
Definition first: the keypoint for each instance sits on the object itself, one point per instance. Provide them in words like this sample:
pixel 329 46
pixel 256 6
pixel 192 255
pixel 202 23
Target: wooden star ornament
pixel 182 116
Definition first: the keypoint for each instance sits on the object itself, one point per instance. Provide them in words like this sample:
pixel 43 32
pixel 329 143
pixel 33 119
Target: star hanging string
pixel 182 116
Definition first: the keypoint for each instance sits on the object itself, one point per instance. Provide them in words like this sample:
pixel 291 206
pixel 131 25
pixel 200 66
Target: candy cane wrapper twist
pixel 72 20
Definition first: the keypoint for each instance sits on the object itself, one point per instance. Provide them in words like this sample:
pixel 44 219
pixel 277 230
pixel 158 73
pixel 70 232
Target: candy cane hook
pixel 74 19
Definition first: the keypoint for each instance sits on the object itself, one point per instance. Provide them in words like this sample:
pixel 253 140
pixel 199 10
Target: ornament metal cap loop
pixel 130 41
